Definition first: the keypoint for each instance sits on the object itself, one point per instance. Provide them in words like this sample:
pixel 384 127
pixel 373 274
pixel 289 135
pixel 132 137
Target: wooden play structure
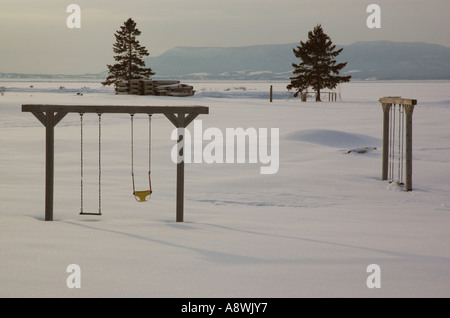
pixel 51 115
pixel 325 96
pixel 397 140
pixel 332 96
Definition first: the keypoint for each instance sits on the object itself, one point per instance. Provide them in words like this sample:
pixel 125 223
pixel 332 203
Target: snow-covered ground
pixel 310 230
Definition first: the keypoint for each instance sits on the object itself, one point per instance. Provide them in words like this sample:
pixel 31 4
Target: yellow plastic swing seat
pixel 142 196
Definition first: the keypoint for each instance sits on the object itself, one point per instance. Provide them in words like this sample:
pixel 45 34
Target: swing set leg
pixel 384 174
pixel 180 191
pixel 49 165
pixel 49 119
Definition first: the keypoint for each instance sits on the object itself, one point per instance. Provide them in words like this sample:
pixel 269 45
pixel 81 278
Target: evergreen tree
pixel 318 68
pixel 130 63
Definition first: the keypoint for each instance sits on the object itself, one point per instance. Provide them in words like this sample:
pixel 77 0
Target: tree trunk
pixel 129 56
pixel 318 95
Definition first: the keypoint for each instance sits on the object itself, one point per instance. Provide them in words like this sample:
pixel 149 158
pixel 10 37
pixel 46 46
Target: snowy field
pixel 310 230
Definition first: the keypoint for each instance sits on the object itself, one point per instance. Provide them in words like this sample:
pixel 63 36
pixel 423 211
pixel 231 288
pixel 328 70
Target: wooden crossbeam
pixel 125 109
pixel 398 100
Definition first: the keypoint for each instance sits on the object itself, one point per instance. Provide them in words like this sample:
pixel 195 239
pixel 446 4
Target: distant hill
pixel 91 77
pixel 386 60
pixel 377 60
pixel 246 62
pixel 381 60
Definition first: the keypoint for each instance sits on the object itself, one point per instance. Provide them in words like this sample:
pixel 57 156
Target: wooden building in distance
pixel 154 87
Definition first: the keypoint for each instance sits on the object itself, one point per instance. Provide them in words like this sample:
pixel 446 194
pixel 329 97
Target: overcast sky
pixel 35 38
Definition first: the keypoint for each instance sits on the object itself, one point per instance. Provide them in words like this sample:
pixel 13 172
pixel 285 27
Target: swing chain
pixel 99 163
pixel 400 142
pixel 99 166
pixel 393 147
pixel 149 142
pixel 132 151
pixel 150 150
pixel 135 193
pixel 390 145
pixel 81 160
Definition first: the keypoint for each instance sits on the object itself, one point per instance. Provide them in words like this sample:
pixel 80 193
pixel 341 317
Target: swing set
pixel 397 140
pixel 51 115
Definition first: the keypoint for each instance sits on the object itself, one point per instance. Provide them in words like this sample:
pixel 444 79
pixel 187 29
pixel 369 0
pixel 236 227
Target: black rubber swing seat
pixel 90 213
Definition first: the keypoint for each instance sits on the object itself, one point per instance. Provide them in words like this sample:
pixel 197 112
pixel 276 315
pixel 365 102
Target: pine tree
pixel 318 68
pixel 130 63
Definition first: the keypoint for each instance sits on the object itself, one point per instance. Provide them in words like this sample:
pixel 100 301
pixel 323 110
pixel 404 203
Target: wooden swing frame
pixel 51 115
pixel 388 105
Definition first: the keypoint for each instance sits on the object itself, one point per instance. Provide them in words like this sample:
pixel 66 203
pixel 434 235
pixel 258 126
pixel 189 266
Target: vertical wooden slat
pixel 385 155
pixel 408 150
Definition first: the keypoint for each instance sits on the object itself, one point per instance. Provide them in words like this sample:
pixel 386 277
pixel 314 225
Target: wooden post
pixel 304 96
pixel 180 169
pixel 49 164
pixel 271 93
pixel 181 122
pixel 408 150
pixel 385 156
pixel 49 120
